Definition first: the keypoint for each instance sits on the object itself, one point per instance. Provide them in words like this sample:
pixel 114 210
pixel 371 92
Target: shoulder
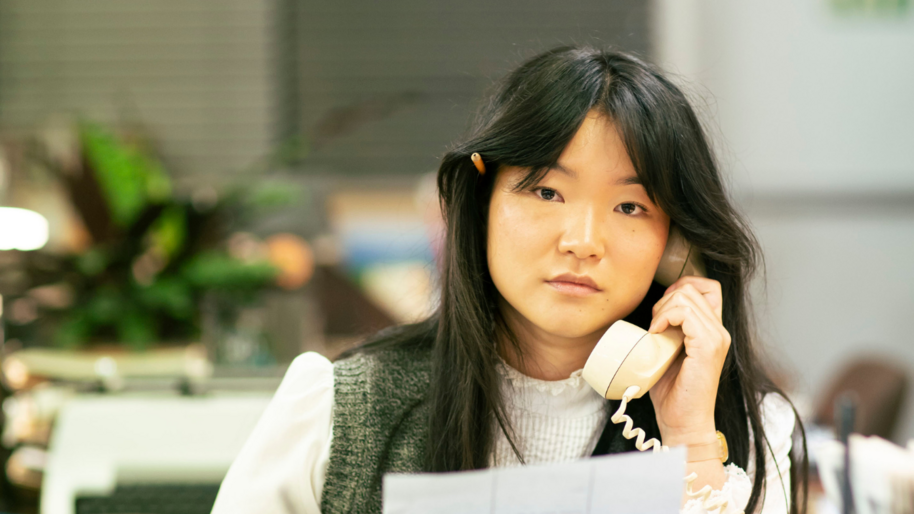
pixel 389 371
pixel 778 417
pixel 394 359
pixel 778 423
pixel 309 371
pixel 397 349
pixel 308 381
pixel 283 461
pixel 305 395
pixel 399 355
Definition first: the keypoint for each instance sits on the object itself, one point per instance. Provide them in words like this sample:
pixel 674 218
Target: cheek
pixel 517 240
pixel 638 252
pixel 512 231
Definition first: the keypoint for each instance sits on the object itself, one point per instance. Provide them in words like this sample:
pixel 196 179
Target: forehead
pixel 597 148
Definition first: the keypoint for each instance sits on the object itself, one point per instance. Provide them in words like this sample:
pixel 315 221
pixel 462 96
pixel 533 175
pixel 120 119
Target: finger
pixel 698 336
pixel 685 316
pixel 687 295
pixel 709 288
pixel 680 299
pixel 690 324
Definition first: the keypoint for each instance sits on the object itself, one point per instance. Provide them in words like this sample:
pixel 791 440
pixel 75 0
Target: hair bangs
pixel 538 111
pixel 640 107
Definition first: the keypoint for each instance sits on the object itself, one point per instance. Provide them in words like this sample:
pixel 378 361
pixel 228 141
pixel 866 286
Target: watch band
pixel 708 451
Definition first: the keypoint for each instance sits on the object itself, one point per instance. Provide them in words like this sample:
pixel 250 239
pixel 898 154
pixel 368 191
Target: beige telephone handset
pixel 627 361
pixel 628 355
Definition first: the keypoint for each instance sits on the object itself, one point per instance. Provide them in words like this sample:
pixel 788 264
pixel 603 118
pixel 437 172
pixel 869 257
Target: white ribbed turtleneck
pixel 553 421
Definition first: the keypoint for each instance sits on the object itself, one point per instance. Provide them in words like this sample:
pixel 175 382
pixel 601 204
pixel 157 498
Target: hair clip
pixel 477 160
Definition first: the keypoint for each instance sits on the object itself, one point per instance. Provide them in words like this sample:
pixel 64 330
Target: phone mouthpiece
pixel 628 355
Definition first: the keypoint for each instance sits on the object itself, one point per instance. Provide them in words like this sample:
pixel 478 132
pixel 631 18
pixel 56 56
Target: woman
pixel 585 160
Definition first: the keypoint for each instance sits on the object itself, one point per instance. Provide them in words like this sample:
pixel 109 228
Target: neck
pixel 544 356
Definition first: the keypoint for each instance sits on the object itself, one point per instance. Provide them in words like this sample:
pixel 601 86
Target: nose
pixel 582 236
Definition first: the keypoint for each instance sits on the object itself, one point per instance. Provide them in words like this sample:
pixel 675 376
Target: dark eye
pixel 630 208
pixel 546 194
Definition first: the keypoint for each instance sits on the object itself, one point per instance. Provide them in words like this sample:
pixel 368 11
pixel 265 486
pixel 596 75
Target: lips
pixel 575 285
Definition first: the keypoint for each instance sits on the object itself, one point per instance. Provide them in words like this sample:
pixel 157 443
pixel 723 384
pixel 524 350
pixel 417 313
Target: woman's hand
pixel 684 398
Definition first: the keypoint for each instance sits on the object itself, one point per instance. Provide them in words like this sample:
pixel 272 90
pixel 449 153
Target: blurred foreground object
pixel 26 466
pixel 154 445
pixel 29 415
pixel 881 474
pixel 22 229
pixel 22 366
pixel 880 388
pixel 294 259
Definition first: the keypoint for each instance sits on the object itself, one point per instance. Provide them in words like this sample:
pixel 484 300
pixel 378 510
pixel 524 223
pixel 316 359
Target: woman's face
pixel 587 221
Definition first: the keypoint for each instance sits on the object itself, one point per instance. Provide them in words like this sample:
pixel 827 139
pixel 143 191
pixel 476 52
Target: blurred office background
pixel 227 184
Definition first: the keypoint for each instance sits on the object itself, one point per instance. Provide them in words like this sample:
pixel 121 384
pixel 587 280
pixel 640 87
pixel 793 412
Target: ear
pixel 680 258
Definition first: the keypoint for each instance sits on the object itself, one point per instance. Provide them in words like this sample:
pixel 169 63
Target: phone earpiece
pixel 680 258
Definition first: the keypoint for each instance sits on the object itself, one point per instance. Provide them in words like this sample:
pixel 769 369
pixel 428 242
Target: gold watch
pixel 714 450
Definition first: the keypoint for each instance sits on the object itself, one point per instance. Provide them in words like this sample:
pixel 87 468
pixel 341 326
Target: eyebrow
pixel 633 180
pixel 566 171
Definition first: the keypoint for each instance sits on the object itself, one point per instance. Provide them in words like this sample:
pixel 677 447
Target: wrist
pixel 691 436
pixel 716 451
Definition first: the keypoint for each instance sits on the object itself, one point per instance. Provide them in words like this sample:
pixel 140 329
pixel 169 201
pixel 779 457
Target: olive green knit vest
pixel 380 420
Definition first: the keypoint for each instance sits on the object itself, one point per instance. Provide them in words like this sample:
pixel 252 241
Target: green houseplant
pixel 151 255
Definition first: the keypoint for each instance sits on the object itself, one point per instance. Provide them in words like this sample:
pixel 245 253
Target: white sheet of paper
pixel 645 483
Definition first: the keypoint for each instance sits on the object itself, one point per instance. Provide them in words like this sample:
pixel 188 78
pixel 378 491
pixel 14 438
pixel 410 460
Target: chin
pixel 571 327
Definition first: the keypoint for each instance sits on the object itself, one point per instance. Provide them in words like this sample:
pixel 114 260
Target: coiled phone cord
pixel 628 431
pixel 619 416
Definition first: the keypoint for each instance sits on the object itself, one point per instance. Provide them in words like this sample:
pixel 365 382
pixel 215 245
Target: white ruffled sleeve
pixel 778 419
pixel 281 467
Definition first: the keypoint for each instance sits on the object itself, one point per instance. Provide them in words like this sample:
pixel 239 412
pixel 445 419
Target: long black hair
pixel 527 122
